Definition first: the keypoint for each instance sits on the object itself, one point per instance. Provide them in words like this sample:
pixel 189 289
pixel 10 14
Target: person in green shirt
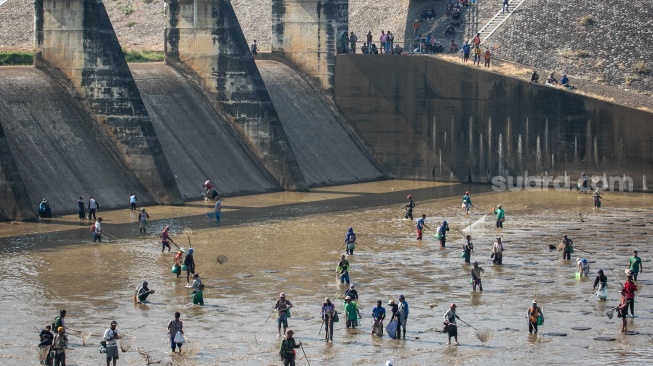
pixel 352 313
pixel 467 202
pixel 500 215
pixel 635 265
pixel 287 351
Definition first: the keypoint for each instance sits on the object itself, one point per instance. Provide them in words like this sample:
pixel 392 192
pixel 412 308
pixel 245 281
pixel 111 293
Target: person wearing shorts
pixel 282 306
pixel 165 238
pixel 110 336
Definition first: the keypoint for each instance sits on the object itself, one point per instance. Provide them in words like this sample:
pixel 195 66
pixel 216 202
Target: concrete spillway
pixel 326 152
pixel 198 141
pixel 60 151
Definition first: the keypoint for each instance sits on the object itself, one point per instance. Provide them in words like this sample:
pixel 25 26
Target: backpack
pixel 93 228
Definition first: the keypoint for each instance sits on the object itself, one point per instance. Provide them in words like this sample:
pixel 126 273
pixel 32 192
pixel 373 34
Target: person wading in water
pixel 468 248
pixel 409 208
pixel 534 313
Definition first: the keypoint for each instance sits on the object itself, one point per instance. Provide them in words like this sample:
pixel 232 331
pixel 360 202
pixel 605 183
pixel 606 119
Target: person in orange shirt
pixel 622 310
pixel 178 261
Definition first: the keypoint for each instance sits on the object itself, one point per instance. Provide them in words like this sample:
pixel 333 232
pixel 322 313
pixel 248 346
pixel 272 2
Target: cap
pixel 388 363
pixel 409 196
pixel 401 297
pixel 60 330
pixel 282 294
pixel 347 297
pixel 391 302
pixel 534 301
pixel 143 209
pixel 114 323
pixel 351 286
pixel 499 205
pixel 453 305
pixel 466 192
pixel 327 299
pixel 182 250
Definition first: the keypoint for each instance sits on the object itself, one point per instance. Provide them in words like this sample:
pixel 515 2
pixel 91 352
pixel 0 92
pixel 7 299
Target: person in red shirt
pixel 630 287
pixel 622 310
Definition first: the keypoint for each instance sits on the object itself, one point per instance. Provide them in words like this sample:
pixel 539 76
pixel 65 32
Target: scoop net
pixel 221 259
pixel 484 334
pixel 43 352
pixel 85 336
pixel 125 342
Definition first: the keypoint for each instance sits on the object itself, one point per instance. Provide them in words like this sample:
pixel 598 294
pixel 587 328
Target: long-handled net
pixel 187 232
pixel 125 342
pixel 484 334
pixel 43 352
pixel 475 225
pixel 221 259
pixel 85 336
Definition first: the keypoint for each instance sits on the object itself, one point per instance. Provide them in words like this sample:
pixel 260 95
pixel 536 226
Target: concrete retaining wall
pixel 75 42
pixel 307 33
pixel 424 118
pixel 203 39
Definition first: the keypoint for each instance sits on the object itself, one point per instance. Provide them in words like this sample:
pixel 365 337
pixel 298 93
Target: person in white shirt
pixel 110 336
pixel 97 234
pixel 93 206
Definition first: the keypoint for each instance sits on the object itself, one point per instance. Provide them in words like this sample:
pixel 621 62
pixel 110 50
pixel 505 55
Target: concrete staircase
pixel 498 19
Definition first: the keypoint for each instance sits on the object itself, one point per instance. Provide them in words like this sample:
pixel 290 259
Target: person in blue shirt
pixel 44 209
pixel 378 313
pixel 350 241
pixel 420 226
pixel 466 51
pixel 443 233
pixel 132 201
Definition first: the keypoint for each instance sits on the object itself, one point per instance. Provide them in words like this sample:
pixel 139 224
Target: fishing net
pixel 125 342
pixel 190 349
pixel 85 336
pixel 187 232
pixel 221 259
pixel 484 334
pixel 610 313
pixel 475 225
pixel 43 352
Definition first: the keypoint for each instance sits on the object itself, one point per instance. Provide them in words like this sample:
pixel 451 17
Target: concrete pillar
pixel 204 40
pixel 14 198
pixel 75 42
pixel 308 33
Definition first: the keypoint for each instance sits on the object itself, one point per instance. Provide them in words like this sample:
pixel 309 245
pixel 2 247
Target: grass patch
pixel 630 79
pixel 573 54
pixel 143 56
pixel 16 58
pixel 586 20
pixel 147 1
pixel 641 68
pixel 130 24
pixel 127 10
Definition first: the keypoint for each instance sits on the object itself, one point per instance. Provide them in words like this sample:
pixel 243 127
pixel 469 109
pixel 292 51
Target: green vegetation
pixel 586 20
pixel 630 79
pixel 130 24
pixel 573 54
pixel 16 58
pixel 127 10
pixel 147 1
pixel 143 56
pixel 641 68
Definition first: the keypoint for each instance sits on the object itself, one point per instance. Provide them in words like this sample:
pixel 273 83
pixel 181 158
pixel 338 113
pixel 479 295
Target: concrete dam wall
pixel 424 118
pixel 60 152
pixel 327 152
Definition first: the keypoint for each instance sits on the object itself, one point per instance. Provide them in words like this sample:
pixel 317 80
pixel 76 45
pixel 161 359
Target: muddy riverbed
pixel 289 242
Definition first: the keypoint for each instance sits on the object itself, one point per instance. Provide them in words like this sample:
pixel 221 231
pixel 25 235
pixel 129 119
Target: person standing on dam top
pixel 254 49
pixel 345 42
pixel 487 56
pixel 466 51
pixel 352 42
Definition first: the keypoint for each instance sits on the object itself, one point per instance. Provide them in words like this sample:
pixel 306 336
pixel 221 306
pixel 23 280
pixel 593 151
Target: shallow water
pixel 289 242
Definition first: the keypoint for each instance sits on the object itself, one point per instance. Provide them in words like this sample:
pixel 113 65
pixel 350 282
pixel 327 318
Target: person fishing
pixel 442 231
pixel 500 215
pixel 467 203
pixel 601 281
pixel 343 269
pixel 282 307
pixel 409 207
pixel 110 336
pixel 350 241
pixel 143 293
pixel 97 230
pixel 287 350
pixel 59 345
pixel 189 262
pixel 468 248
pixel 394 310
pixel 165 238
pixel 198 290
pixel 351 292
pixel 583 183
pixel 450 323
pixel 46 336
pixel 142 221
pixel 328 312
pixel 60 321
pixel 178 261
pixel 596 197
pixel 630 287
pixel 351 313
pixel 402 310
pixel 622 311
pixel 476 276
pixel 378 314
pixel 44 209
pixel 211 192
pixel 534 312
pixel 421 224
pixel 635 266
pixel 174 326
pixel 497 251
pixel 567 247
pixel 583 267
